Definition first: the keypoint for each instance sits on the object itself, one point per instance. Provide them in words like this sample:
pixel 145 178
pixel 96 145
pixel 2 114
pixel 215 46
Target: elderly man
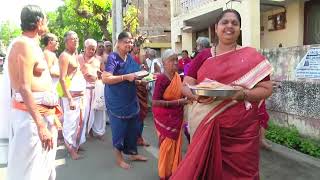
pixel 103 51
pixel 202 43
pixel 94 118
pixel 100 50
pixel 154 66
pixel 71 89
pixel 51 46
pixel 32 144
pixel 108 47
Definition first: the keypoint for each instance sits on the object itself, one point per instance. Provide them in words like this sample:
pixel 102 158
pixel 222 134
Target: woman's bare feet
pixel 124 165
pixel 138 158
pixel 120 160
pixel 142 142
pixel 265 145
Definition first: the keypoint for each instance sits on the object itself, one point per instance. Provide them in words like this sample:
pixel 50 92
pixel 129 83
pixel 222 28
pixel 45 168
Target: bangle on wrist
pixel 245 95
pixel 121 77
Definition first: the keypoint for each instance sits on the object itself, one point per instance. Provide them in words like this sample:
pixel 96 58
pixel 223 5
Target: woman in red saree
pixel 225 141
pixel 168 115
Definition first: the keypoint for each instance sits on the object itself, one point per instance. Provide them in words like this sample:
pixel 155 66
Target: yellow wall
pixel 187 39
pixel 292 35
pixel 250 22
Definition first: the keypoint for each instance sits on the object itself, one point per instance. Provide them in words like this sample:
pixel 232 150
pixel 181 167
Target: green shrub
pixel 290 137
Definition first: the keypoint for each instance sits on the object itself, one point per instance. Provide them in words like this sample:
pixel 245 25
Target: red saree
pixel 168 120
pixel 225 145
pixel 142 94
pixel 168 123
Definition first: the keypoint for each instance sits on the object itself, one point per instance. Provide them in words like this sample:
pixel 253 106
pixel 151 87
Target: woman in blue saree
pixel 121 100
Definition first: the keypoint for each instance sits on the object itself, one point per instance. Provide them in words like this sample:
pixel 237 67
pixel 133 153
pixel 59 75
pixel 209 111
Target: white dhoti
pixel 99 124
pixel 73 124
pixel 95 119
pixel 27 159
pixel 89 110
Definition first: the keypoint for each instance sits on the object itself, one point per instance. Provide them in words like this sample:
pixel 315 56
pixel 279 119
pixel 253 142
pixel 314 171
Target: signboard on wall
pixel 309 66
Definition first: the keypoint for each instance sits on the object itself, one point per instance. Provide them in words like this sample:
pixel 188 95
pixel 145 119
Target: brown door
pixel 312 22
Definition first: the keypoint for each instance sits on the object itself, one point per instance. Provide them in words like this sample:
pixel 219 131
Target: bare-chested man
pixel 90 67
pixel 71 89
pixel 100 50
pixel 33 140
pixel 51 46
pixel 108 47
pixel 103 56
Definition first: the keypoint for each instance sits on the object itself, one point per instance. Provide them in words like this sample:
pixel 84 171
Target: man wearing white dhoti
pixel 71 88
pixel 94 118
pixel 51 46
pixel 33 122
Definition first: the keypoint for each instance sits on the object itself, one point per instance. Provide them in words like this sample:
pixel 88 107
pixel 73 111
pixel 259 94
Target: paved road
pixel 98 163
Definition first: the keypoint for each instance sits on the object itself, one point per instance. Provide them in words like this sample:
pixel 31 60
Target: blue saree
pixel 122 104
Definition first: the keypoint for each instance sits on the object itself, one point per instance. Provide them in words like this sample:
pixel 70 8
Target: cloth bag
pixel 99 103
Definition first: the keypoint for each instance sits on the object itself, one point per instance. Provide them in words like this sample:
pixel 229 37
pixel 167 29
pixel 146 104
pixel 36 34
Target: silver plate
pixel 141 74
pixel 213 92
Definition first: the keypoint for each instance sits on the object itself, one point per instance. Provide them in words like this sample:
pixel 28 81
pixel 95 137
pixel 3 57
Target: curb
pixel 293 154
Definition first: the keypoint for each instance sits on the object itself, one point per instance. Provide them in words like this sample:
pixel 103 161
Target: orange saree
pixel 168 122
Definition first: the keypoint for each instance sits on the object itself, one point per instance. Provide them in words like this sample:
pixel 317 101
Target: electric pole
pixel 117 24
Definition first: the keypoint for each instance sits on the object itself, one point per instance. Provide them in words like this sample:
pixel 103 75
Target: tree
pixel 82 18
pixel 8 31
pixel 131 20
pixel 90 19
pixel 96 10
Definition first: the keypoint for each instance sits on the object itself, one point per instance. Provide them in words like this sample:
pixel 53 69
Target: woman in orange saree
pixel 168 115
pixel 225 141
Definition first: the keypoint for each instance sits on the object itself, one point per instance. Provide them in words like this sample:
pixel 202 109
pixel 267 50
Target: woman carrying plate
pixel 225 144
pixel 121 100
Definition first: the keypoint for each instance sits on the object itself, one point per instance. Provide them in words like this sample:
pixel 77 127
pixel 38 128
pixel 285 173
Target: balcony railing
pixel 184 6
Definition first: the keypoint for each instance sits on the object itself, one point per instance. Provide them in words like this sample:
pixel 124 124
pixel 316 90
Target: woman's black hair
pixel 29 17
pixel 229 11
pixel 123 35
pixel 185 51
pixel 215 40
